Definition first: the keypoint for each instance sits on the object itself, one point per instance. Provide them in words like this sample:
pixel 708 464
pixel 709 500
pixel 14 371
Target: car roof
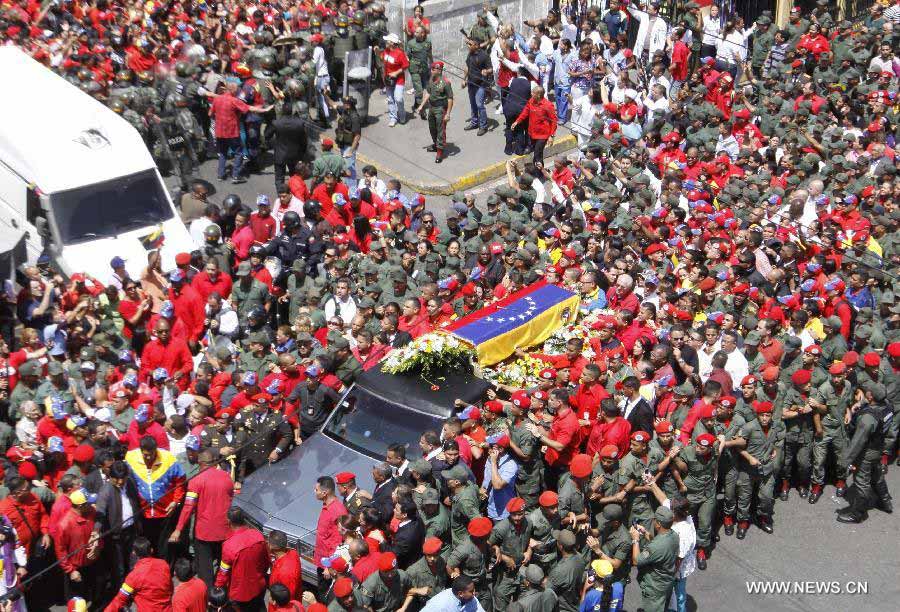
pixel 420 394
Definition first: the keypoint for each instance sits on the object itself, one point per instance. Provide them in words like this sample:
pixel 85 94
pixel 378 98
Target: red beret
pixel 770 373
pixel 339 565
pixel 706 439
pixel 570 254
pixel 609 451
pixel 327 143
pixel 640 436
pixel 520 398
pixel 705 411
pixel 387 562
pixel 468 289
pixel 707 284
pixel 742 114
pixel 893 349
pixel 871 359
pixel 801 377
pixel 182 259
pixel 728 401
pixel 318 607
pixel 813 349
pixel 342 587
pixel 837 368
pixel 656 247
pixel 663 427
pixel 28 470
pixel 548 499
pixel 749 379
pixel 432 546
pixel 343 478
pixel 480 526
pixel 516 504
pixel 83 453
pixel 494 406
pixel 581 465
pixel 540 395
pixel 261 398
pixel 850 358
pixel 762 407
pixel 547 374
pixel 741 289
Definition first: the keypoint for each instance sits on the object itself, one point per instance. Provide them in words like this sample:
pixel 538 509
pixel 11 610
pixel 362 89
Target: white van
pixel 71 165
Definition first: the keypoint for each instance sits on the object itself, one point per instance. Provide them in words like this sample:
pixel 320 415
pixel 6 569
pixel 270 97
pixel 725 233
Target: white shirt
pixel 321 64
pixel 127 510
pixel 704 357
pixel 198 226
pixel 712 31
pixel 687 541
pixel 375 185
pixel 346 309
pixel 737 366
pixel 176 445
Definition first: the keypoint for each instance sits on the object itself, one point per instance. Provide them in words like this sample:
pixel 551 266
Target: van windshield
pixel 105 210
pixel 368 424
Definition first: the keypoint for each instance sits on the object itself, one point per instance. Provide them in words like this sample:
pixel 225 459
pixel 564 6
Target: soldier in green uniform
pixel 436 519
pixel 428 575
pixel 604 489
pixel 258 358
pixel 831 403
pixel 26 388
pixel 248 293
pixel 632 467
pixel 120 107
pixel 188 459
pixel 613 543
pixel 227 440
pixel 655 556
pixel 728 428
pixel 439 99
pixel 566 577
pixel 544 524
pixel 419 53
pixel 698 464
pixel 329 164
pixel 510 538
pixel 464 501
pixel 56 386
pixel 535 597
pixel 386 589
pixel 346 366
pixel 760 465
pixel 863 454
pixel 481 32
pixel 214 249
pixel 797 414
pixel 268 432
pixel 470 557
pixel 763 40
pixel 834 345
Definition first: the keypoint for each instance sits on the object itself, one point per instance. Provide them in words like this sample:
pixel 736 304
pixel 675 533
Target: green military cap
pixel 534 574
pixel 504 217
pixel 664 516
pixel 792 343
pixel 878 391
pixel 641 179
pixel 690 6
pixel 222 353
pixel 259 337
pixel 763 20
pixel 472 247
pixel 864 314
pixel 373 288
pixel 299 265
pixel 243 269
pixel 523 254
pixel 55 368
pixel 471 221
pixel 313 292
pixel 410 237
pixel 452 261
pixel 365 302
pixel 512 236
pixel 87 353
pixel 486 220
pixel 505 191
pixel 339 343
pixel 753 338
pixel 100 339
pixel 526 179
pixel 304 337
pixel 430 497
pixel 398 276
pixel 421 467
pixel 833 322
pixel 30 368
pixel 613 512
pixel 686 389
pixel 863 332
pixel 458 196
pixel 841 177
pixel 793 180
pixel 341 263
pixel 457 472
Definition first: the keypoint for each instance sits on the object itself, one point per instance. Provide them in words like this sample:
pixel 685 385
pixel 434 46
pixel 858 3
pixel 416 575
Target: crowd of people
pixel 731 212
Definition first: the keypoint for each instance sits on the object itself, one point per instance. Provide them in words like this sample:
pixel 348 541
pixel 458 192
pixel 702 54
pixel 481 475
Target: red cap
pixel 327 143
pixel 893 349
pixel 627 52
pixel 706 439
pixel 387 562
pixel 813 349
pixel 640 436
pixel 547 374
pixel 663 427
pixel 762 407
pixel 83 453
pixel 494 406
pixel 316 38
pixel 468 289
pixel 516 504
pixel 850 358
pixel 705 411
pixel 837 368
pixel 656 247
pixel 742 114
pixel 570 254
pixel 343 478
pixel 610 451
pixel 707 284
pixel 749 379
pixel 540 395
pixel 770 373
pixel 28 470
pixel 728 401
pixel 581 466
pixel 872 359
pixel 342 586
pixel 548 499
pixel 432 546
pixel 182 259
pixel 801 377
pixel 339 565
pixel 479 527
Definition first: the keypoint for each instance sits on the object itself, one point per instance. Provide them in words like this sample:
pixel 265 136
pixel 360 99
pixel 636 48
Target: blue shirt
pixel 498 498
pixel 860 299
pixel 591 601
pixel 447 601
pixel 561 68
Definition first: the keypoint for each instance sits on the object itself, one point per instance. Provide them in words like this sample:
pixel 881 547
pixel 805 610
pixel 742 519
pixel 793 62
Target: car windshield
pixel 368 424
pixel 107 209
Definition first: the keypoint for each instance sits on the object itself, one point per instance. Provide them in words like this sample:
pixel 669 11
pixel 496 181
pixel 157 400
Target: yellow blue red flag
pixel 522 319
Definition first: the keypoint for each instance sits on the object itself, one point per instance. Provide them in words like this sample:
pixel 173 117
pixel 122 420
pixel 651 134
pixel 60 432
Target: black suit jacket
pixel 408 543
pixel 109 505
pixel 290 138
pixel 641 417
pixel 381 499
pixel 401 339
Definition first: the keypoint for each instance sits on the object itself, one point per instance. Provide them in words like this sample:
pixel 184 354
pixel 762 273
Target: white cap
pixel 392 38
pixel 183 402
pixel 103 415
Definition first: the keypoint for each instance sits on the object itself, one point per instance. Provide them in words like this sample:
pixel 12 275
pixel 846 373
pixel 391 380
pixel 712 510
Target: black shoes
pixel 852 517
pixel 470 127
pixel 431 149
pixel 481 132
pixel 765 525
pixel 741 532
pixel 804 491
pixel 815 494
pixel 729 529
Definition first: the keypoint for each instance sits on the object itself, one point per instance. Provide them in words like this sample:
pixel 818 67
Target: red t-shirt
pixel 227 111
pixel 565 430
pixel 395 59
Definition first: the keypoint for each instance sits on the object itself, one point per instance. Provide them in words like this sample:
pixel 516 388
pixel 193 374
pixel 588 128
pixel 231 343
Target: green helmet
pixel 212 232
pixel 127 98
pixel 300 109
pixel 315 22
pixel 341 21
pixel 259 38
pixel 359 18
pixel 145 76
pixel 268 63
pixel 180 101
pixel 124 76
pixel 183 69
pixel 293 87
pixel 85 74
pixel 117 106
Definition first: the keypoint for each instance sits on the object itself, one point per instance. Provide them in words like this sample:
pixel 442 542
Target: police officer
pixel 341 44
pixel 186 118
pixel 268 432
pixel 289 133
pixel 439 98
pixel 119 106
pixel 294 242
pixel 863 453
pixel 419 53
pixel 213 249
pixel 145 94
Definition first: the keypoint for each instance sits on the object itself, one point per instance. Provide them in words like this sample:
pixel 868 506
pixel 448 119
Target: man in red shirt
pixel 610 429
pixel 327 534
pixel 209 493
pixel 227 110
pixel 286 568
pixel 148 585
pixel 170 353
pixel 588 395
pixel 25 511
pixel 78 548
pixel 622 296
pixel 212 279
pixel 542 122
pixel 262 223
pixel 245 563
pixel 189 308
pixel 563 438
pixel 190 594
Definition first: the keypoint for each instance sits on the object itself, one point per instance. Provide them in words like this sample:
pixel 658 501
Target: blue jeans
pixel 223 146
pixel 395 104
pixel 476 103
pixel 322 84
pixel 562 102
pixel 680 594
pixel 350 163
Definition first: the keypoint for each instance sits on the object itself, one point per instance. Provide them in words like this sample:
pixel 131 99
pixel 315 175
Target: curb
pixel 466 181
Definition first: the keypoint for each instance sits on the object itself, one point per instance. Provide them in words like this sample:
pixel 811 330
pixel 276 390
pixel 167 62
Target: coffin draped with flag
pixel 522 319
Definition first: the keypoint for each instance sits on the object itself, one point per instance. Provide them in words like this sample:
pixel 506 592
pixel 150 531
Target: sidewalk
pixel 469 160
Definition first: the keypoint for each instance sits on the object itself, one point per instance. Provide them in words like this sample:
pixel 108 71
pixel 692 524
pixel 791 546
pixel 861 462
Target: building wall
pixel 448 16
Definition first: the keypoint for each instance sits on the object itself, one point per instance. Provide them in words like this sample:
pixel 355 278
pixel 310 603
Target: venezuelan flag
pixel 522 319
pixel 153 240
